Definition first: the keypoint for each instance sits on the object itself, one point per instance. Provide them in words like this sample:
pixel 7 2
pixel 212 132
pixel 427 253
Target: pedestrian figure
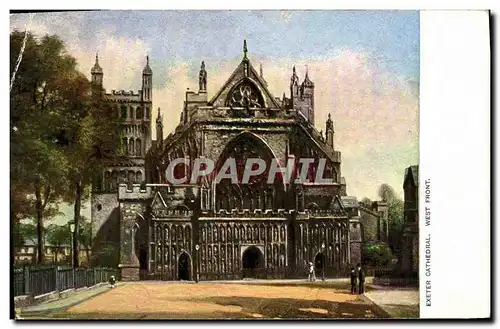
pixel 112 281
pixel 354 277
pixel 361 279
pixel 312 275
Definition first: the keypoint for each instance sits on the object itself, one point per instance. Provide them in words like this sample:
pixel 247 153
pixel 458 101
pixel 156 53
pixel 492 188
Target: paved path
pixel 269 299
pixel 63 303
pixel 398 302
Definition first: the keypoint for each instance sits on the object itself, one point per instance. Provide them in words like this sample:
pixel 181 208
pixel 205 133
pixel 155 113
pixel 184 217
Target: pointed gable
pixel 411 176
pixel 244 73
pixel 336 204
pixel 158 201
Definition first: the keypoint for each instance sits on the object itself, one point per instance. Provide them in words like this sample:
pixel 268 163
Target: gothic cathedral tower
pixel 129 166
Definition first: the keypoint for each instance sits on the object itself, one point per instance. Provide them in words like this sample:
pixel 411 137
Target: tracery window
pixel 245 95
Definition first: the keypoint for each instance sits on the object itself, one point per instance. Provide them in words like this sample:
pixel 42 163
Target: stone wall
pixel 370 223
pixel 105 228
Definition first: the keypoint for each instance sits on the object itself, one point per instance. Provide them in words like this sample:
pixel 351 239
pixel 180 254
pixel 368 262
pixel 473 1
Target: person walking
pixel 312 274
pixel 361 280
pixel 354 277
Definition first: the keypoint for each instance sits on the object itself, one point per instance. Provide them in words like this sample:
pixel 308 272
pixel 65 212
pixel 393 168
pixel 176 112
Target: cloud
pixel 375 113
pixel 122 59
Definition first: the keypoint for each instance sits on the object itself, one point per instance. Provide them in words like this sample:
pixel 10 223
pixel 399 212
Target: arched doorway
pixel 140 245
pixel 253 263
pixel 319 264
pixel 184 267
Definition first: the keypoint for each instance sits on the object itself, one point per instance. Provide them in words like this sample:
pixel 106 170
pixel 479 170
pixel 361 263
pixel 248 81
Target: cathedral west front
pixel 226 229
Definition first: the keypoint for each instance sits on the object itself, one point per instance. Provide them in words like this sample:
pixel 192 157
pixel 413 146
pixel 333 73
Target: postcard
pixel 242 164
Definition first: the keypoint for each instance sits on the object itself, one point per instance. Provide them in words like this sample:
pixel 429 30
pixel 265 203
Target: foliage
pixel 85 237
pixel 107 256
pixel 377 255
pixel 46 88
pixel 58 235
pixel 61 135
pixel 395 216
pixel 366 201
pixel 24 233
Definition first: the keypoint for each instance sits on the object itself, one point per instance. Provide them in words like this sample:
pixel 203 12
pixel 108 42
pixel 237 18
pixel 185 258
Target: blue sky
pixel 365 65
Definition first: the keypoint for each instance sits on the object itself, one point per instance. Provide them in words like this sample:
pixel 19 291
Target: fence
pixel 39 280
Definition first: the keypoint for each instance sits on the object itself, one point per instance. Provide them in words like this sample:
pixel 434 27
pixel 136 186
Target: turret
pixel 307 94
pixel 147 82
pixel 329 131
pixel 97 76
pixel 294 87
pixel 159 129
pixel 203 78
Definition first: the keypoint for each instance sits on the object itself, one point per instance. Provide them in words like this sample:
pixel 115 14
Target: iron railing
pixel 39 280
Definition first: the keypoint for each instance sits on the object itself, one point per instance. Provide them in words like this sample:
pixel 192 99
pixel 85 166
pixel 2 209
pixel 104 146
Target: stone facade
pixel 210 230
pixel 410 243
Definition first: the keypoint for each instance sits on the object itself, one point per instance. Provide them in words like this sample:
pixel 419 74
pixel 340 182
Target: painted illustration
pixel 214 164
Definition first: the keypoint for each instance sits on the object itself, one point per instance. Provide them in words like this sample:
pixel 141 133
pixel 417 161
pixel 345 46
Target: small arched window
pixel 138 113
pixel 124 112
pixel 138 147
pixel 131 146
pixel 138 177
pixel 132 113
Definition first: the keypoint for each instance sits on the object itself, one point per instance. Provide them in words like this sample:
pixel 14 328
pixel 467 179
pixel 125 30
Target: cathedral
pixel 224 230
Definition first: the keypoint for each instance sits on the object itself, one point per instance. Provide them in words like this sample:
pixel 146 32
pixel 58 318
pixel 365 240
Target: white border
pixel 454 155
pixel 462 167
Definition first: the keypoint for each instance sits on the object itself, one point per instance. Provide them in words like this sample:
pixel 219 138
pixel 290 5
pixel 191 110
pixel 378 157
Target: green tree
pixel 366 201
pixel 47 87
pixel 58 236
pixel 377 255
pixel 85 237
pixel 27 233
pixel 61 135
pixel 395 216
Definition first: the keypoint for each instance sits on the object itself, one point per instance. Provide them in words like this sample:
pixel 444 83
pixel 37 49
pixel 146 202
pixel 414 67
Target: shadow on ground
pixel 403 311
pixel 335 285
pixel 256 308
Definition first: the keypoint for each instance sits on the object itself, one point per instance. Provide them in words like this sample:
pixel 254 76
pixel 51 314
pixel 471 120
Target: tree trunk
pixel 76 234
pixel 39 225
pixel 87 252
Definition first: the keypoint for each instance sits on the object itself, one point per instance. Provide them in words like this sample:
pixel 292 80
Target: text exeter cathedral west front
pixel 210 231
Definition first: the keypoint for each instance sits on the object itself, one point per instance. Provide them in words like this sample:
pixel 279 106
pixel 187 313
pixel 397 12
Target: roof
pixel 239 75
pixel 96 69
pixel 147 69
pixel 350 202
pixel 32 242
pixel 411 171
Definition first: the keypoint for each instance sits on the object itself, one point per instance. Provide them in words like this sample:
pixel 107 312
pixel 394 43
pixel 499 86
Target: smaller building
pixel 26 254
pixel 409 250
pixel 373 218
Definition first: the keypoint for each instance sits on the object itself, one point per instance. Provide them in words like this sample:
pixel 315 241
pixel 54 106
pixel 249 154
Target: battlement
pixel 137 192
pixel 124 92
pixel 124 95
pixel 192 97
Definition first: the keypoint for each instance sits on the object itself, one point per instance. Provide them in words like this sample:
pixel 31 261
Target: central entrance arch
pixel 253 263
pixel 319 263
pixel 184 267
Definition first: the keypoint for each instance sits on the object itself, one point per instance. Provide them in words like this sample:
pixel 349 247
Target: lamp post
pixel 197 277
pixel 72 230
pixel 323 260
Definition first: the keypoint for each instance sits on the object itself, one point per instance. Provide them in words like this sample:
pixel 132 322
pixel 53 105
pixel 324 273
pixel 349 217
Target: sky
pixel 365 66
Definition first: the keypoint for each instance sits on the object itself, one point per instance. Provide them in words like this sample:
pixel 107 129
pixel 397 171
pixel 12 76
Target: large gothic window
pixel 248 195
pixel 245 94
